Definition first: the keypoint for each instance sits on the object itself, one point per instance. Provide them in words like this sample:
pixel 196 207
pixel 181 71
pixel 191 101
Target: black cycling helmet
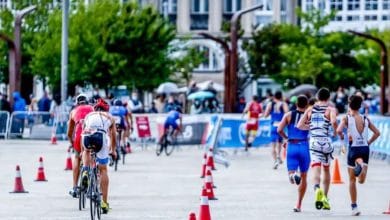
pixel 118 102
pixel 81 99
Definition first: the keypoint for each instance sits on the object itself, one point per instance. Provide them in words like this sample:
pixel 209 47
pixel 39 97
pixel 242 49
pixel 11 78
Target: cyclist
pixel 173 115
pixel 75 123
pixel 276 109
pixel 98 126
pixel 252 125
pixel 122 120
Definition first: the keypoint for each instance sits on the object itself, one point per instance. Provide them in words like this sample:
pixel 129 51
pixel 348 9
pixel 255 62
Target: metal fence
pixel 36 125
pixel 4 123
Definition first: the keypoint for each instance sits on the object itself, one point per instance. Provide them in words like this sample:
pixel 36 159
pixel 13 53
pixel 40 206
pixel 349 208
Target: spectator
pixel 193 88
pixel 44 106
pixel 340 100
pixel 95 95
pixel 153 108
pixel 135 104
pixel 171 104
pixel 4 104
pixel 17 125
pixel 160 102
pixel 58 111
pixel 240 105
pixel 365 106
pixel 196 107
pixel 210 88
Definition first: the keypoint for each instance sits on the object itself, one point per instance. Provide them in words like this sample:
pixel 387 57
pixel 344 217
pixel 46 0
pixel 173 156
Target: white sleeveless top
pixel 97 121
pixel 319 124
pixel 358 140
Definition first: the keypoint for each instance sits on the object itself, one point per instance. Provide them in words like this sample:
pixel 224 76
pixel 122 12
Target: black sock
pixel 354 205
pixel 316 186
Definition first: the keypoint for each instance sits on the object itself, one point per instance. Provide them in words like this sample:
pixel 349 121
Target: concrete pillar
pixel 276 11
pixel 247 19
pixel 215 16
pixel 291 12
pixel 183 16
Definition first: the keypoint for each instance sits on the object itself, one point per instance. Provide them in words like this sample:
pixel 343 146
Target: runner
pixel 75 123
pixel 319 119
pixel 276 109
pixel 358 150
pixel 298 155
pixel 98 127
pixel 254 111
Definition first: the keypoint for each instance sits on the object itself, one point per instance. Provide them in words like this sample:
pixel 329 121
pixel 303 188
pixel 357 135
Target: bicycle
pixel 93 192
pixel 168 142
pixel 81 191
pixel 115 161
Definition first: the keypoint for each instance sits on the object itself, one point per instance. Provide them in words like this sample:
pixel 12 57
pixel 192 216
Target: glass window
pixel 337 18
pixel 386 4
pixel 171 4
pixel 309 5
pixel 210 62
pixel 371 5
pixel 200 6
pixel 386 17
pixel 336 5
pixel 263 20
pixel 269 5
pixel 353 5
pixel 353 18
pixel 370 17
pixel 283 5
pixel 231 6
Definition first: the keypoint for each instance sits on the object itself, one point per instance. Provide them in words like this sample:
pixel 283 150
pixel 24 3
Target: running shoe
pixel 295 178
pixel 105 207
pixel 280 160
pixel 276 164
pixel 358 169
pixel 326 204
pixel 355 211
pixel 319 198
pixel 297 209
pixel 84 179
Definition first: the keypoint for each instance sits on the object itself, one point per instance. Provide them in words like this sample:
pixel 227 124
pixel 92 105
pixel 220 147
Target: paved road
pixel 167 188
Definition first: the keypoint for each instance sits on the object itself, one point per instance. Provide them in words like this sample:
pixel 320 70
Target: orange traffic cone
pixel 388 210
pixel 192 216
pixel 41 172
pixel 18 182
pixel 204 166
pixel 336 177
pixel 210 159
pixel 53 138
pixel 68 165
pixel 208 185
pixel 204 212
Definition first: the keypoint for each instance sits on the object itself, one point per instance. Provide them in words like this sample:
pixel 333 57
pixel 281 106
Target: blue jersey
pixel 276 114
pixel 119 113
pixel 293 132
pixel 170 121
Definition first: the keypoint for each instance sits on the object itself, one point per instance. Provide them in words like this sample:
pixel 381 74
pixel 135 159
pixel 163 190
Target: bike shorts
pixel 356 153
pixel 298 156
pixel 102 154
pixel 275 137
pixel 171 123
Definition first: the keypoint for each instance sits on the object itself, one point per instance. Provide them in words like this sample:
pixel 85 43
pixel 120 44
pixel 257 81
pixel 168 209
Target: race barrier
pixel 4 123
pixel 37 125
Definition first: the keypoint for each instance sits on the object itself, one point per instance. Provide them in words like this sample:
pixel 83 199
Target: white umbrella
pixel 204 85
pixel 168 88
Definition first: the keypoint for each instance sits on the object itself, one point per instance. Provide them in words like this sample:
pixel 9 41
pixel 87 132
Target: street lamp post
pixel 384 69
pixel 227 51
pixel 231 90
pixel 64 50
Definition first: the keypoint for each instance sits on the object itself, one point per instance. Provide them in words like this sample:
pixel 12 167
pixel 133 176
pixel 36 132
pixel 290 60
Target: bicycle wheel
pixel 123 149
pixel 81 199
pixel 170 146
pixel 160 147
pixel 91 194
pixel 98 200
